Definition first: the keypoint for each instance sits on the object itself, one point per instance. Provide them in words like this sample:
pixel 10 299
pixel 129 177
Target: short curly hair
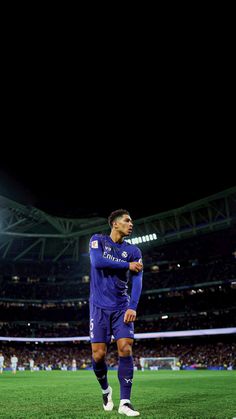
pixel 116 214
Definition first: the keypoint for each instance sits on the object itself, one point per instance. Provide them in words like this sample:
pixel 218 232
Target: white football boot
pixel 127 409
pixel 107 400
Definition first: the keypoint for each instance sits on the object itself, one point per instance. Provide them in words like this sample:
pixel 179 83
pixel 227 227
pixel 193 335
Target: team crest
pixel 124 254
pixel 94 244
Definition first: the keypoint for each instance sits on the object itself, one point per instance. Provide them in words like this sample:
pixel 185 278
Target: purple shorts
pixel 106 323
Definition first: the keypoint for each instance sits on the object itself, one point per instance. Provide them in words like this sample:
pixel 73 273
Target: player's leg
pixel 99 351
pixel 125 375
pixel 122 332
pixel 100 336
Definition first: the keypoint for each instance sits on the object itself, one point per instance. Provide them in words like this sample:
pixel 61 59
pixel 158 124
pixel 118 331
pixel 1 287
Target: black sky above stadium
pixel 82 184
pixel 145 134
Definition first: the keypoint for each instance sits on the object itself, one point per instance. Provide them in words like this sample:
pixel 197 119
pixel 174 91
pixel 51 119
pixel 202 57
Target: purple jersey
pixel 110 273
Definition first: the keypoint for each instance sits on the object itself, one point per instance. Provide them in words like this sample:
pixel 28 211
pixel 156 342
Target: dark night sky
pixel 148 138
pixel 142 182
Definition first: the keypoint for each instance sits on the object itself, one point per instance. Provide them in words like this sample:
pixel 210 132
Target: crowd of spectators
pixel 202 352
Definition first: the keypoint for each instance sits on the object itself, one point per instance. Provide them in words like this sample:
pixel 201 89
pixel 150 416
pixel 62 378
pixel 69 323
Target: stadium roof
pixel 27 232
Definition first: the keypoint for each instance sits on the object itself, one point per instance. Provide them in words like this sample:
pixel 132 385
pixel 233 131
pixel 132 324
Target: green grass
pixel 156 394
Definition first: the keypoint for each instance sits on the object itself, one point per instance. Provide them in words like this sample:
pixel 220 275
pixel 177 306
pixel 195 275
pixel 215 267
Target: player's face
pixel 124 225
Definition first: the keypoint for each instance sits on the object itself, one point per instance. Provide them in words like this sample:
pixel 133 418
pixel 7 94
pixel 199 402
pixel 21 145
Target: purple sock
pixel 100 369
pixel 125 375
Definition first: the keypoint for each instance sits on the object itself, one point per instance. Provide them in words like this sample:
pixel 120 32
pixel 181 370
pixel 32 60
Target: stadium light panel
pixel 142 239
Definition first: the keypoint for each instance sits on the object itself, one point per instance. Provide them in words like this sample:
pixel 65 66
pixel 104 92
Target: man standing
pixel 1 362
pixel 14 361
pixel 73 365
pixel 112 310
pixel 31 364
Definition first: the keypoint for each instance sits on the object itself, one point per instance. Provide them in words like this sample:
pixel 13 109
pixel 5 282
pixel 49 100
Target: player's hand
pixel 135 266
pixel 130 316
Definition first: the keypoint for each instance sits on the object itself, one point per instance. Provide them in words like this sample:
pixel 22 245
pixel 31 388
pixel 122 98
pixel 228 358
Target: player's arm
pixel 130 314
pixel 137 280
pixel 97 258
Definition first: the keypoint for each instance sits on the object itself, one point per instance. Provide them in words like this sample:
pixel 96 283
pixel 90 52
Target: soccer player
pixel 14 361
pixel 1 362
pixel 73 366
pixel 112 311
pixel 31 364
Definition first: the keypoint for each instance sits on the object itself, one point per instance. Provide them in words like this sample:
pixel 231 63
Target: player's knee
pixel 99 355
pixel 125 349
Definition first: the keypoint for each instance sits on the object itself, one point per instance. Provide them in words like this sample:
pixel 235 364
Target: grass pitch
pixel 156 394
